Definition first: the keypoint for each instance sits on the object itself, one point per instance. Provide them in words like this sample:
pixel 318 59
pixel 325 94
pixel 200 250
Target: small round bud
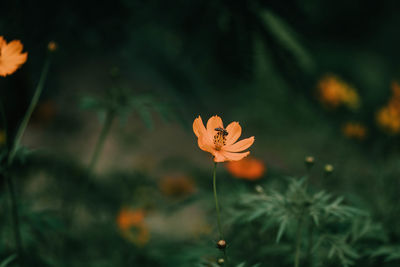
pixel 221 244
pixel 309 161
pixel 328 169
pixel 221 261
pixel 52 46
pixel 259 189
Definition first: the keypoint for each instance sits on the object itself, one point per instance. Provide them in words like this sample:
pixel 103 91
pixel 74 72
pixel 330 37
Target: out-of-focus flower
pixel 248 168
pixel 52 46
pixel 132 226
pixel 388 117
pixel 221 142
pixel 354 130
pixel 334 92
pixel 177 185
pixel 3 137
pixel 11 56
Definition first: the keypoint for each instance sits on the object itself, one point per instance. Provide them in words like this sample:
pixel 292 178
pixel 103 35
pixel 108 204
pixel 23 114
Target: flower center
pixel 220 138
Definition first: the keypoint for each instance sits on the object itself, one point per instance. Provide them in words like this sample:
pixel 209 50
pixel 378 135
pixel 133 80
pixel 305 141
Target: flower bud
pixel 221 244
pixel 259 189
pixel 309 161
pixel 52 46
pixel 328 169
pixel 221 261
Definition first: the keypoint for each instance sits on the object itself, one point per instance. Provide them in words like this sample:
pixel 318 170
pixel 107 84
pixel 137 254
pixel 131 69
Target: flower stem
pixel 298 241
pixel 221 236
pixel 216 201
pixel 102 138
pixel 15 218
pixel 29 112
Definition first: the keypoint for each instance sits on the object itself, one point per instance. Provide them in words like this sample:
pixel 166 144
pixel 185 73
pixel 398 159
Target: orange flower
pixel 388 117
pixel 177 186
pixel 333 92
pixel 248 168
pixel 354 130
pixel 132 226
pixel 11 57
pixel 221 142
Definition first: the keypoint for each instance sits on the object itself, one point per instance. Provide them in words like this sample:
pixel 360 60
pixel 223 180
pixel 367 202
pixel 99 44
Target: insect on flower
pixel 220 141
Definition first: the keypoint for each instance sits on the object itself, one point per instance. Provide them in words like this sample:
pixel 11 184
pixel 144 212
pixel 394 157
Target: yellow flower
pixel 354 130
pixel 333 92
pixel 11 56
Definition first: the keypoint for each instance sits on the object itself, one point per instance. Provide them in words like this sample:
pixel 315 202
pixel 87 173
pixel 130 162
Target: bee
pixel 222 130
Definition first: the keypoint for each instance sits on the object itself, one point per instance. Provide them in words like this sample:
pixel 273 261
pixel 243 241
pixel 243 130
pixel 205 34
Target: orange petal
pixel 205 143
pixel 219 156
pixel 11 57
pixel 13 47
pixel 233 156
pixel 198 127
pixel 240 146
pixel 234 131
pixel 214 122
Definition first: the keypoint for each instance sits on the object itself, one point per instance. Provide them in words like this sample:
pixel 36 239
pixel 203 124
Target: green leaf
pixel 281 230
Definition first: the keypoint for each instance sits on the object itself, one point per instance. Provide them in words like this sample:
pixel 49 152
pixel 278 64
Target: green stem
pixel 298 241
pixel 15 218
pixel 29 112
pixel 102 138
pixel 221 236
pixel 216 201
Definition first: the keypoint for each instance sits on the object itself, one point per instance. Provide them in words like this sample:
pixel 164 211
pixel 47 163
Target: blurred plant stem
pixel 13 151
pixel 102 138
pixel 15 218
pixel 221 236
pixel 29 112
pixel 298 240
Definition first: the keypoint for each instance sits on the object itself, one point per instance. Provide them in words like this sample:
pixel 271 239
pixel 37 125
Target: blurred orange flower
pixel 354 130
pixel 220 142
pixel 388 117
pixel 177 186
pixel 132 226
pixel 11 57
pixel 248 168
pixel 333 92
